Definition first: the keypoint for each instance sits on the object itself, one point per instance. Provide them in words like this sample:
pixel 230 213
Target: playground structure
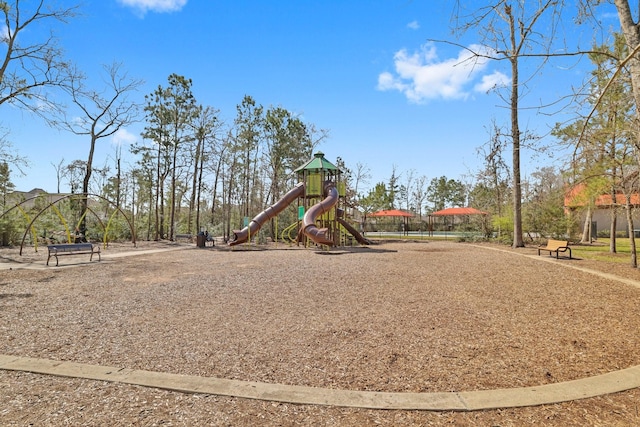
pixel 319 194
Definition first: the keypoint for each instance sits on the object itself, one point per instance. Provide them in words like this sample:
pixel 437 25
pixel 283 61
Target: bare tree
pixel 419 195
pixel 102 113
pixel 8 158
pixel 406 189
pixel 361 175
pixel 491 189
pixel 73 172
pixel 59 172
pixel 9 155
pixel 510 31
pixel 27 70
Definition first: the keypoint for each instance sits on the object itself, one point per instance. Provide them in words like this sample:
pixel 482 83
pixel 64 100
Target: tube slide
pixel 241 236
pixel 309 228
pixel 359 237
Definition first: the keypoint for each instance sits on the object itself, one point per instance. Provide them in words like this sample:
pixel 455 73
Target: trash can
pixel 200 240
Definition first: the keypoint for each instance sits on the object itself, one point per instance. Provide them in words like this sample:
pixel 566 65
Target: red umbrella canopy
pixel 392 212
pixel 459 211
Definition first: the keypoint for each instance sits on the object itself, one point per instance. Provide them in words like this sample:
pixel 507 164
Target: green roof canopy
pixel 317 163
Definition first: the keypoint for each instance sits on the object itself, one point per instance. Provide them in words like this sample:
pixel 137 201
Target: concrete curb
pixel 447 401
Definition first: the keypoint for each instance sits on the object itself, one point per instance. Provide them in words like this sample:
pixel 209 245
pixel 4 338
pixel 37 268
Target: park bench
pixel 556 246
pixel 188 237
pixel 72 249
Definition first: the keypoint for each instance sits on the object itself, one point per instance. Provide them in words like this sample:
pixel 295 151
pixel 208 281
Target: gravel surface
pixel 393 317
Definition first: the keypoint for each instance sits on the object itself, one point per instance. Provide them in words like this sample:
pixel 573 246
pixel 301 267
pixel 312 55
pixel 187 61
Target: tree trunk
pixel 85 187
pixel 632 237
pixel 586 229
pixel 613 215
pixel 518 241
pixel 118 180
pixel 612 229
pixel 195 193
pixel 632 36
pixel 156 236
pixel 199 186
pixel 149 216
pixel 229 199
pixel 216 179
pixel 172 212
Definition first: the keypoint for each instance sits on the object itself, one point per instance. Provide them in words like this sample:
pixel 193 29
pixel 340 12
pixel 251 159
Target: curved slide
pixel 309 228
pixel 241 236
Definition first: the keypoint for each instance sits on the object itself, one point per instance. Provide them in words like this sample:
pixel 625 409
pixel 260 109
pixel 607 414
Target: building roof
pixel 392 212
pixel 459 211
pixel 577 197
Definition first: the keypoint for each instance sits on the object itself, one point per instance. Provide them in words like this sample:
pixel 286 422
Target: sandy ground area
pixel 394 317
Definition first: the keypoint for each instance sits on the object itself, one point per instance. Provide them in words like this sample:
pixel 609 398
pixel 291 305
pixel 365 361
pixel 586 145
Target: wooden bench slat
pixel 556 246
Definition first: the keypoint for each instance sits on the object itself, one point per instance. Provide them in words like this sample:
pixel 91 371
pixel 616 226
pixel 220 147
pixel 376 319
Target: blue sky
pixel 364 70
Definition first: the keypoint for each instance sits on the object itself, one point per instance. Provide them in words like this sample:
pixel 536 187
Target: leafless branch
pixel 27 71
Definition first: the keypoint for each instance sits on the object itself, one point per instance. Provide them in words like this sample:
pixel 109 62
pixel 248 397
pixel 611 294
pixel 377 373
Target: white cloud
pixel 422 75
pixel 123 137
pixel 606 16
pixel 492 81
pixel 414 25
pixel 145 6
pixel 386 81
pixel 4 34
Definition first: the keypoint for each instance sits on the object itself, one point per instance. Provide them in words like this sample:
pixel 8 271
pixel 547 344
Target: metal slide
pixel 241 236
pixel 309 228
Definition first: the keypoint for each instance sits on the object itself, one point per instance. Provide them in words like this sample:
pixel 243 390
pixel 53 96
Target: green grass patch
pixel 599 251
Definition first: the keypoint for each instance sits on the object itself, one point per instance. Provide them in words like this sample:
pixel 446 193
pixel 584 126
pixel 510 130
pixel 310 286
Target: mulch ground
pixel 394 317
